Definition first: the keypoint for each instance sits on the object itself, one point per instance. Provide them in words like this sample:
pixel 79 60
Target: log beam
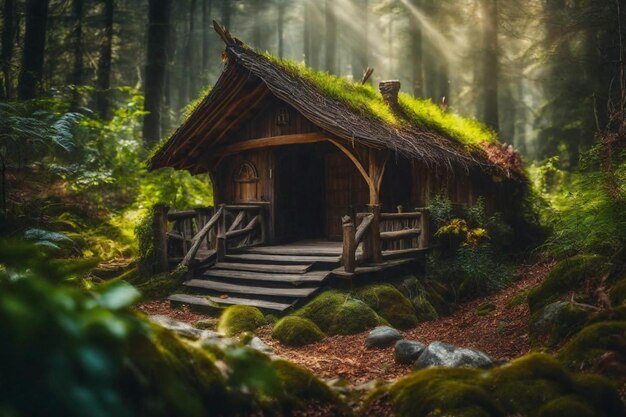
pixel 268 142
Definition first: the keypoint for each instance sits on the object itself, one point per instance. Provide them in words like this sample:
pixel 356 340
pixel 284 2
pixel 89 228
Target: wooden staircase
pixel 268 277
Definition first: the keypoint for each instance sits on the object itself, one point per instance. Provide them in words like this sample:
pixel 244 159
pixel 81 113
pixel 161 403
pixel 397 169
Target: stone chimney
pixel 390 90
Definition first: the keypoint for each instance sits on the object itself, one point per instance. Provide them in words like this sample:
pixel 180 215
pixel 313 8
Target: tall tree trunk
pixel 31 74
pixel 491 65
pixel 430 55
pixel 206 37
pixel 282 5
pixel 417 55
pixel 331 37
pixel 103 73
pixel 306 36
pixel 8 43
pixel 257 23
pixel 226 14
pixel 77 75
pixel 190 48
pixel 156 62
pixel 360 42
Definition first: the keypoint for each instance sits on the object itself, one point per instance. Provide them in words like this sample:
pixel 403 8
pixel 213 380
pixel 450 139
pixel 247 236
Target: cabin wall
pixel 276 118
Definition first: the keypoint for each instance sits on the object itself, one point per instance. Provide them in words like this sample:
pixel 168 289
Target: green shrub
pixel 335 312
pixel 296 331
pixel 568 275
pixel 390 304
pixel 532 385
pixel 239 318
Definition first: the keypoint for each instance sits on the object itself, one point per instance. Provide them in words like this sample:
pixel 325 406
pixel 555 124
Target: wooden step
pixel 211 302
pixel 279 269
pixel 249 290
pixel 295 250
pixel 283 259
pixel 267 305
pixel 314 277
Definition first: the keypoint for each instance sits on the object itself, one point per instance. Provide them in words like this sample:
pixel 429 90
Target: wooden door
pixel 346 192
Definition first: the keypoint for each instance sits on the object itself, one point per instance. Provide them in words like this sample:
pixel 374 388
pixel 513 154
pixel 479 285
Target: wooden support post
pixel 262 225
pixel 425 226
pixel 221 236
pixel 159 229
pixel 348 257
pixel 375 242
pixel 402 242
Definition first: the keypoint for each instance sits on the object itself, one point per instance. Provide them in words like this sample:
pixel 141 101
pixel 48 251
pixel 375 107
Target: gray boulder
pixel 382 336
pixel 407 351
pixel 439 354
pixel 180 328
pixel 258 344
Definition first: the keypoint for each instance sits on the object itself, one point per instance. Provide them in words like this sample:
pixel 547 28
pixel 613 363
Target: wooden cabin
pixel 306 184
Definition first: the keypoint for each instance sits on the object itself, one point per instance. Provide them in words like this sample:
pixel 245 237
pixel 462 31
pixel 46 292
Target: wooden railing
pixel 377 232
pixel 198 235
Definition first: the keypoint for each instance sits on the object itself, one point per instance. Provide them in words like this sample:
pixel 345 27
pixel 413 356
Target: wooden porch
pixel 228 261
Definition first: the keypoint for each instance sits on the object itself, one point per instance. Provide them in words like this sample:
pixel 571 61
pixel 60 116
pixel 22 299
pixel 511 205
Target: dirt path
pixel 501 334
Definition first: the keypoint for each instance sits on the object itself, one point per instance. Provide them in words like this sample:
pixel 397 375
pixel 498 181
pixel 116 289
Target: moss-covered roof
pixel 416 128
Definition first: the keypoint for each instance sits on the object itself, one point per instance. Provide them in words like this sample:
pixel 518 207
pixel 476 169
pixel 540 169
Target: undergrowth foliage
pixel 82 176
pixel 463 256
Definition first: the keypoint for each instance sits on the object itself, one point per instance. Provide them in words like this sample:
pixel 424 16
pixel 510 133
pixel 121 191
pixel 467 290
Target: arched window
pixel 246 182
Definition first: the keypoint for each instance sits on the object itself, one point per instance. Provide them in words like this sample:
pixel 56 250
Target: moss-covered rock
pixel 424 310
pixel 582 350
pixel 568 275
pixel 238 319
pixel 297 331
pixel 182 377
pixel 555 322
pixel 336 312
pixel 301 384
pixel 390 304
pixel 533 385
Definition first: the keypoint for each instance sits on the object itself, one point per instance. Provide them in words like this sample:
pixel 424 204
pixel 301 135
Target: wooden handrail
pixel 362 229
pixel 197 239
pixel 241 232
pixel 400 234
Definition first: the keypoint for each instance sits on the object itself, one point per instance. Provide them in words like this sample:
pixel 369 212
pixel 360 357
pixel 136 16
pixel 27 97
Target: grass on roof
pixel 366 98
pixel 362 97
pixel 424 112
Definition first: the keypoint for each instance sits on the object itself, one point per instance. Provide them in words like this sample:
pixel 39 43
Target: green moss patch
pixel 590 343
pixel 424 310
pixel 533 385
pixel 425 113
pixel 518 299
pixel 568 275
pixel 390 304
pixel 336 312
pixel 238 319
pixel 484 309
pixel 297 331
pixel 364 98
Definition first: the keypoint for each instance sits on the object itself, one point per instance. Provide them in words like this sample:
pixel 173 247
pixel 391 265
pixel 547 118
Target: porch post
pixel 375 242
pixel 348 257
pixel 221 235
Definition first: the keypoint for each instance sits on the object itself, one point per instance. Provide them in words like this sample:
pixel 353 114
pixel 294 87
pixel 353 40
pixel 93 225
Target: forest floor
pixel 502 334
